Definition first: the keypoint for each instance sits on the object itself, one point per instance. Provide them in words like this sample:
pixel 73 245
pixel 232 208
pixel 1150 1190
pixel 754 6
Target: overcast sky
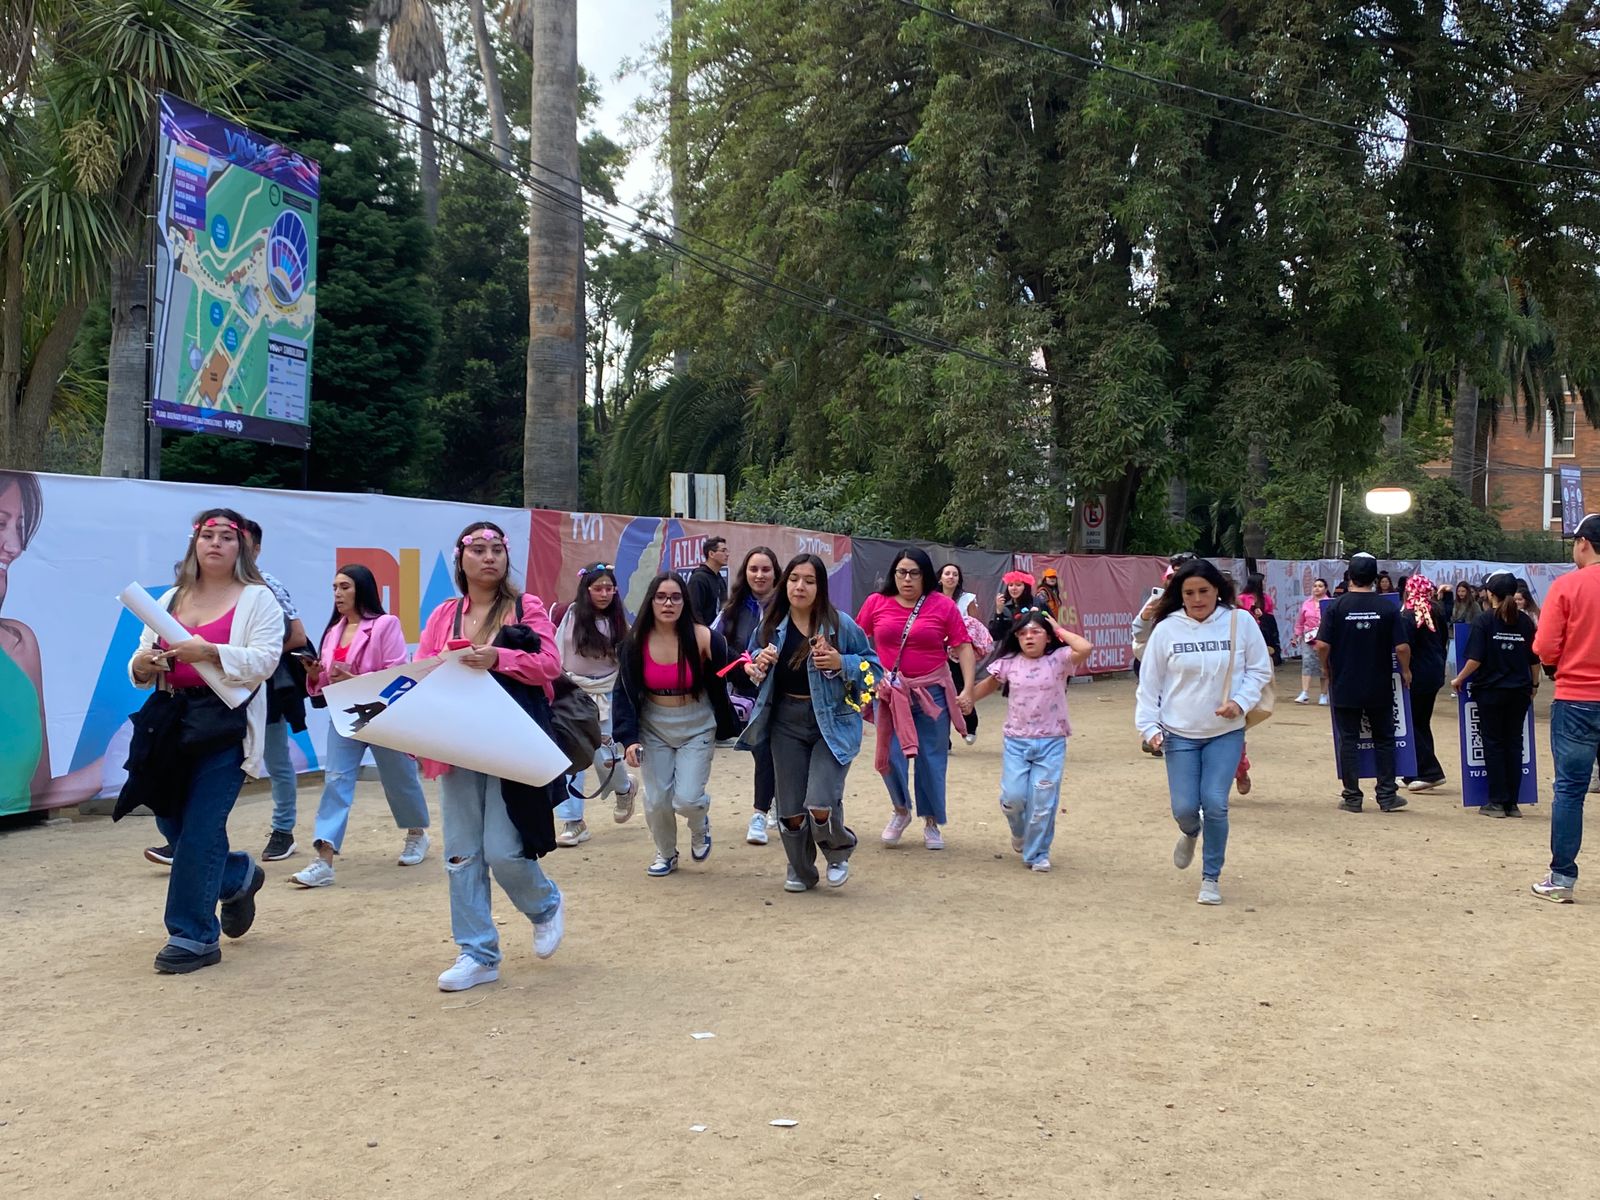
pixel 610 32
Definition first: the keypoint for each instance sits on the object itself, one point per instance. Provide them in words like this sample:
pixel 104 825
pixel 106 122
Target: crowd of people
pixel 766 662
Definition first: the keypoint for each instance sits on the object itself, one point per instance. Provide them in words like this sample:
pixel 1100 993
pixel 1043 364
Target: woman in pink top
pixel 481 834
pixel 913 625
pixel 1305 636
pixel 359 639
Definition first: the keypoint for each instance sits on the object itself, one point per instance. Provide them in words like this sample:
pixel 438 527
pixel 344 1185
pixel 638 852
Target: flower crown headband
pixel 487 536
pixel 1017 577
pixel 213 521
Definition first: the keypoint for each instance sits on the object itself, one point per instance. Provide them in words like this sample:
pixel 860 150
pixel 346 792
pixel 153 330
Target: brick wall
pixel 1517 471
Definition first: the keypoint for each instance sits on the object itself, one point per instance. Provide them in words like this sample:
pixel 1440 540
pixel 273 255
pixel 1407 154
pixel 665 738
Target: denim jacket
pixel 839 723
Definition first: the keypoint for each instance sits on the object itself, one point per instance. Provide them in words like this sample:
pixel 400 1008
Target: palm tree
pixel 416 51
pixel 681 424
pixel 555 263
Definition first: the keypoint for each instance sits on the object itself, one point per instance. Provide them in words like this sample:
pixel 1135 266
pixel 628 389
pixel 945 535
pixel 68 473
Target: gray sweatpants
pixel 808 776
pixel 676 746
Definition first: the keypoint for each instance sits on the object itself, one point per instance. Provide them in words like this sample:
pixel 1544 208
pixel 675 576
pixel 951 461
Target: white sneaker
pixel 1423 785
pixel 1183 852
pixel 316 874
pixel 1210 893
pixel 1042 865
pixel 1016 843
pixel 756 835
pixel 467 972
pixel 1303 698
pixel 1322 701
pixel 547 934
pixel 573 833
pixel 970 739
pixel 838 873
pixel 415 849
pixel 624 801
pixel 772 821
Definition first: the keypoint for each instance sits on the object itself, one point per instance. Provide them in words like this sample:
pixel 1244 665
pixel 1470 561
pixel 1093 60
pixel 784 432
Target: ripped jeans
pixel 1030 791
pixel 479 838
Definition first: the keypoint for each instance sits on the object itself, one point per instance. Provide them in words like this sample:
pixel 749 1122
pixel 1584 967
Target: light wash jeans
pixel 1574 743
pixel 933 759
pixel 342 764
pixel 571 809
pixel 1030 791
pixel 478 838
pixel 676 744
pixel 1199 776
pixel 280 766
pixel 204 870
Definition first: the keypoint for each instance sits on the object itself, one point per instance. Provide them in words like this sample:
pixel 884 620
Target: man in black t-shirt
pixel 1358 639
pixel 708 590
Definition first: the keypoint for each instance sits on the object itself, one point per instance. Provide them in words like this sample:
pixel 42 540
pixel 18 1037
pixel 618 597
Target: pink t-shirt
pixel 938 625
pixel 1037 705
pixel 218 631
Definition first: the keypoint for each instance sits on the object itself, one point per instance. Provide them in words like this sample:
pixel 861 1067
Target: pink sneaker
pixel 896 826
pixel 932 839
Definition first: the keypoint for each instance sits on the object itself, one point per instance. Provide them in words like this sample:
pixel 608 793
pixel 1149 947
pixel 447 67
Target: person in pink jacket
pixel 1305 636
pixel 482 833
pixel 360 638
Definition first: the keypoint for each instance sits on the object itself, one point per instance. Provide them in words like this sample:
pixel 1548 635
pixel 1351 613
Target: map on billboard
pixel 235 282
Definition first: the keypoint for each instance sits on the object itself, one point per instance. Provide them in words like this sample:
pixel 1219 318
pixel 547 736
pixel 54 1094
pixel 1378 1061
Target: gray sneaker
pixel 1210 893
pixel 1183 852
pixel 1555 888
pixel 794 883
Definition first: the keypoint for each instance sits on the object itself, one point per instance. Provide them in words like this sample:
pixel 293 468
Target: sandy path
pixel 1380 1008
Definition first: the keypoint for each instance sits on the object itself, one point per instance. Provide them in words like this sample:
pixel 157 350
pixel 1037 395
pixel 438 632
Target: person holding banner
pixel 1427 632
pixel 1504 673
pixel 1568 643
pixel 590 637
pixel 505 631
pixel 754 586
pixel 813 668
pixel 358 639
pixel 1205 666
pixel 669 710
pixel 1358 641
pixel 913 626
pixel 190 774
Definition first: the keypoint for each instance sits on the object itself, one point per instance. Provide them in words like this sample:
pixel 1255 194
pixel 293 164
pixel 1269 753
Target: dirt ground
pixel 1380 1008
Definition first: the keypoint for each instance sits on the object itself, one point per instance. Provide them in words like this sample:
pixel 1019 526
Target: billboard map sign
pixel 235 282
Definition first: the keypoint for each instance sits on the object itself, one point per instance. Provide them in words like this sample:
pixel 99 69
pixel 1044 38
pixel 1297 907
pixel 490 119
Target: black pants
pixel 961 682
pixel 1347 720
pixel 766 785
pixel 1422 701
pixel 1500 718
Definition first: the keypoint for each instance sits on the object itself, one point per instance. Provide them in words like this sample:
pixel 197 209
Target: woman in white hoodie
pixel 1191 706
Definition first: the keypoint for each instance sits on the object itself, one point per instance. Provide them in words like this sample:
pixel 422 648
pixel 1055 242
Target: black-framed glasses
pixel 672 598
pixel 901 573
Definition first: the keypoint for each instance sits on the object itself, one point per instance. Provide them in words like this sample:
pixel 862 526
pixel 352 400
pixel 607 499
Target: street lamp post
pixel 1388 503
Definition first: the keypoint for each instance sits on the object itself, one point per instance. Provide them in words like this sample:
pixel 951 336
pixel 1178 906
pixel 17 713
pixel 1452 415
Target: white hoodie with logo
pixel 1181 677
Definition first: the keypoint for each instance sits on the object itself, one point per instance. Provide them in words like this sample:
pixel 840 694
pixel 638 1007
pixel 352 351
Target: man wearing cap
pixel 1568 644
pixel 1357 641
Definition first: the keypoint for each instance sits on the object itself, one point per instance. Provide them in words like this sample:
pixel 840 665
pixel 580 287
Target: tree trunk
pixel 122 449
pixel 429 149
pixel 1464 436
pixel 678 145
pixel 1254 533
pixel 555 249
pixel 493 95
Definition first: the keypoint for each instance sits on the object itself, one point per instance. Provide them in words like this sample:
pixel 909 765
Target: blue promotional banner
pixel 1405 746
pixel 1474 778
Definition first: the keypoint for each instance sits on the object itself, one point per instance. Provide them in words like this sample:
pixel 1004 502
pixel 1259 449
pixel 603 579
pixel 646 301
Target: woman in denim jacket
pixel 815 670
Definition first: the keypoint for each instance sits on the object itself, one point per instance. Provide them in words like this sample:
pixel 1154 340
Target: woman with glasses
pixel 669 710
pixel 913 626
pixel 590 638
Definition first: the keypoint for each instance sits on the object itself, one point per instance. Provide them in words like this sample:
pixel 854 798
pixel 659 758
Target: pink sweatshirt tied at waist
pixel 895 696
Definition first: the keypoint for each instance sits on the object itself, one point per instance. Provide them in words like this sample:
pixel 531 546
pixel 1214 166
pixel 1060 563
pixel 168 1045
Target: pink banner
pixel 1099 595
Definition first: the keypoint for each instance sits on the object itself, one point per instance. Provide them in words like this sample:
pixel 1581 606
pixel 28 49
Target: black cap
pixel 1589 530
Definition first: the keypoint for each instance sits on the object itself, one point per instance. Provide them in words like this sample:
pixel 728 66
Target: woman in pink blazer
pixel 360 639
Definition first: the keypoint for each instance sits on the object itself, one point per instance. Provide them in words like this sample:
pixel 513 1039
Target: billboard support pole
pixel 150 223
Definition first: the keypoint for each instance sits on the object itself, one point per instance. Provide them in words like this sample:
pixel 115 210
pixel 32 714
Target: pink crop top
pixel 183 675
pixel 665 678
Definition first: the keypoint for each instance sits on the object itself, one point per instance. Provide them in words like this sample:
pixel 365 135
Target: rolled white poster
pixel 144 606
pixel 449 712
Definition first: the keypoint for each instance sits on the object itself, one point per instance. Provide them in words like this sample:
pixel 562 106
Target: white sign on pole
pixel 1094 523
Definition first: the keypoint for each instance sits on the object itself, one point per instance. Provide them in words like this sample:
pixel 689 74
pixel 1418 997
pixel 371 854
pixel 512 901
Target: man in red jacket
pixel 1568 642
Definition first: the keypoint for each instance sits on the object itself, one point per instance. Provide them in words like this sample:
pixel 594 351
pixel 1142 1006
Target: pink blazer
pixel 378 645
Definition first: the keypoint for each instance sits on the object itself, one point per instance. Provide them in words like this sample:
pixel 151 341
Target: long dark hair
pixel 740 591
pixel 961 579
pixel 586 634
pixel 506 594
pixel 369 600
pixel 1011 644
pixel 688 641
pixel 1526 593
pixel 1172 598
pixel 824 618
pixel 930 581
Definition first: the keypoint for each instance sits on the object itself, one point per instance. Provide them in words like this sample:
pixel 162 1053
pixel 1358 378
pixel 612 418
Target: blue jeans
pixel 204 870
pixel 933 756
pixel 1574 743
pixel 275 750
pixel 571 809
pixel 1030 791
pixel 1200 776
pixel 479 838
pixel 342 763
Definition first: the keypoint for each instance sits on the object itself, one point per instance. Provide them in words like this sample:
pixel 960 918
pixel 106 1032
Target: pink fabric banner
pixel 1100 593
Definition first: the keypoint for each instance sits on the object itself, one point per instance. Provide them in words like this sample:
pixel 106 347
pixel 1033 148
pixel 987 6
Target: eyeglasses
pixel 900 573
pixel 669 600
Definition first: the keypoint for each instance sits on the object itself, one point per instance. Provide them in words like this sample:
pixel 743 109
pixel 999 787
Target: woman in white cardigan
pixel 237 626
